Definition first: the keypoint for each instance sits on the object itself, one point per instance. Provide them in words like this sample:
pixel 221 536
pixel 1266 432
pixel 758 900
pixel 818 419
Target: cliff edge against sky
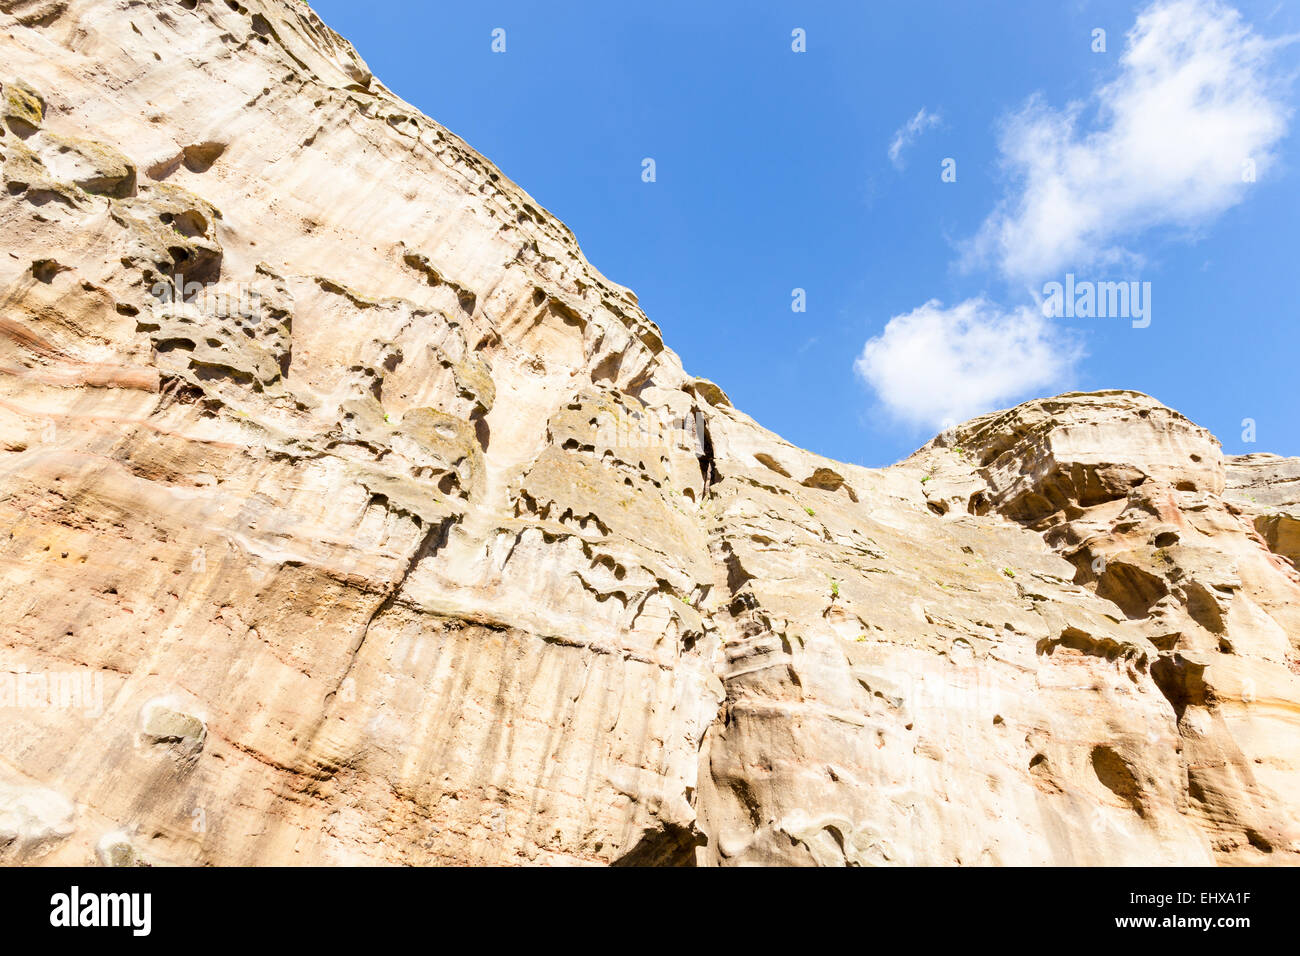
pixel 349 515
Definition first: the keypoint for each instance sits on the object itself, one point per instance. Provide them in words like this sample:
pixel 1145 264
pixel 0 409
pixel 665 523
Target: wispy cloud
pixel 1195 105
pixel 937 366
pixel 908 133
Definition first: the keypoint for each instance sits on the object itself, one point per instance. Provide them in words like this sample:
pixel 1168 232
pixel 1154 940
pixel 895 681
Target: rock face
pixel 349 515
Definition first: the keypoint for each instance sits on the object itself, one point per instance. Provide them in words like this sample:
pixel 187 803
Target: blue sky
pixel 923 297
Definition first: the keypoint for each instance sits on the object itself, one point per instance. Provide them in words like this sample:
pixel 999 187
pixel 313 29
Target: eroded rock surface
pixel 349 515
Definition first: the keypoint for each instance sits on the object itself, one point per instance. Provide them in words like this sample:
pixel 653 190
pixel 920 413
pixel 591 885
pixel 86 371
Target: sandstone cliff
pixel 349 515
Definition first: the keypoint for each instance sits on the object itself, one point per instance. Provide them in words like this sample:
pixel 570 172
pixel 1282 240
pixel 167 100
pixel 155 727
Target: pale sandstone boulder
pixel 371 524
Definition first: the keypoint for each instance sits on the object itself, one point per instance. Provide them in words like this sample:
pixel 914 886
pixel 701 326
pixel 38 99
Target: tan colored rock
pixel 1267 487
pixel 349 515
pixel 92 166
pixel 23 109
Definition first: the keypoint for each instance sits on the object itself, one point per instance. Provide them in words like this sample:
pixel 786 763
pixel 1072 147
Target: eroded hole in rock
pixel 1116 776
pixel 1166 642
pixel 769 462
pixel 190 223
pixel 607 370
pixel 1040 769
pixel 1181 681
pixel 1131 588
pixel 1079 640
pixel 171 345
pixel 672 845
pixel 44 270
pixel 200 157
pixel 1203 608
pixel 215 373
pixel 1258 841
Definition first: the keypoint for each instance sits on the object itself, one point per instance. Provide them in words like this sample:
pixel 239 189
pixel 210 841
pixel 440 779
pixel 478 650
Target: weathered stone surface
pixel 33 820
pixel 22 106
pixel 1267 487
pixel 356 518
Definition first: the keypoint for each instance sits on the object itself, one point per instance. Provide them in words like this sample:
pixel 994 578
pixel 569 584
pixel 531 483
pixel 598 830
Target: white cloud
pixel 1194 100
pixel 1163 144
pixel 936 367
pixel 907 134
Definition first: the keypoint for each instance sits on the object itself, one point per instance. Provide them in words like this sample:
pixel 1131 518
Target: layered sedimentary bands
pixel 349 515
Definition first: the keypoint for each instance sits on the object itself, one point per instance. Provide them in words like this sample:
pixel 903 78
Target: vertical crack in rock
pixel 434 539
pixel 707 464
